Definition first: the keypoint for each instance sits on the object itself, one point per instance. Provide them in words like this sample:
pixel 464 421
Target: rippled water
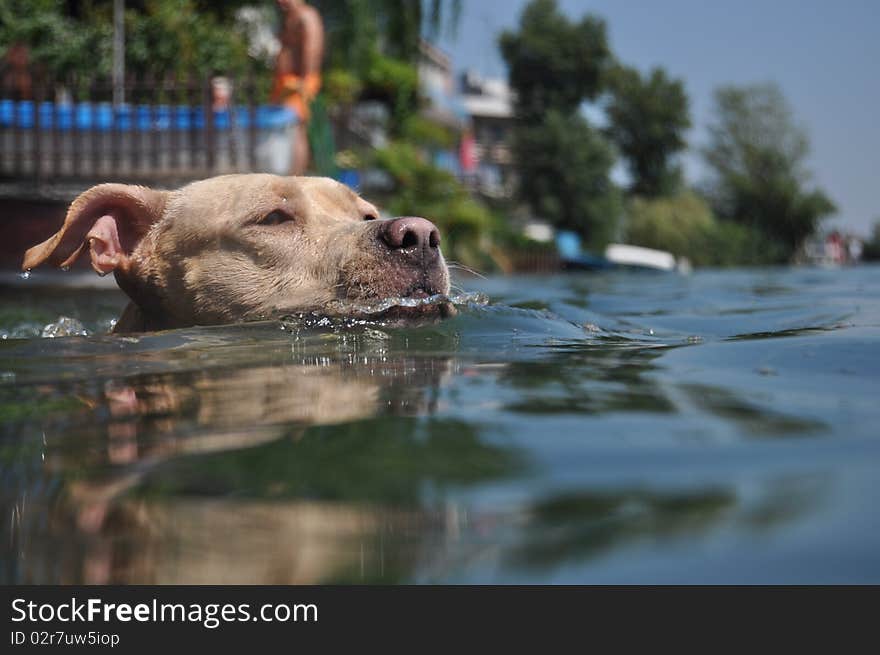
pixel 720 427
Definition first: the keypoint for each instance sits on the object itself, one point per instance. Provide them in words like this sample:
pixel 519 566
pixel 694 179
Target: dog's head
pixel 244 247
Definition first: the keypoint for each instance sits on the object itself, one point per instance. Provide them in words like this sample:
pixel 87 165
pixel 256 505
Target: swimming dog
pixel 247 247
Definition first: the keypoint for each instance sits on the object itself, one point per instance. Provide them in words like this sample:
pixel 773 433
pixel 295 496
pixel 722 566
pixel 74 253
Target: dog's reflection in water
pixel 131 531
pixel 329 472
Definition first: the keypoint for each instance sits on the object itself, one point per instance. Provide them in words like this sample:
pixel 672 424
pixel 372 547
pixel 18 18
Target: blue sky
pixel 824 55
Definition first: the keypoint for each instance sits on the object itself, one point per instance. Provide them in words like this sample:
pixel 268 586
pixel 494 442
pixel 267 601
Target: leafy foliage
pixel 341 87
pixel 554 63
pixel 358 28
pixel 162 37
pixel 377 41
pixel 648 118
pixel 57 44
pixel 173 36
pixel 685 226
pixel 395 82
pixel 563 163
pixel 757 153
pixel 422 131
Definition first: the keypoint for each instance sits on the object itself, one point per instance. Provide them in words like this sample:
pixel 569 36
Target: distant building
pixel 437 86
pixel 833 249
pixel 481 110
pixel 442 103
pixel 489 104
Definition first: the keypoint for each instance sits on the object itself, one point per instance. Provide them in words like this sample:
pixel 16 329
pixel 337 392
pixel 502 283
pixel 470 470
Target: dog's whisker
pixel 467 269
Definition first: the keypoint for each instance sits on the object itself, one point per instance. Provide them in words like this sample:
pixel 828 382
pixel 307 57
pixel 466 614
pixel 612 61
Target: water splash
pixel 383 305
pixel 23 330
pixel 64 327
pixel 25 275
pixel 347 314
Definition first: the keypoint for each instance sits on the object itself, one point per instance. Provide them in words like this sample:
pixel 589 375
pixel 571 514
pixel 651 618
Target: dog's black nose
pixel 410 232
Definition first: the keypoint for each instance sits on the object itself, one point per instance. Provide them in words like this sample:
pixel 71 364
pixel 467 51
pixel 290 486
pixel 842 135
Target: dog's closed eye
pixel 275 218
pixel 370 217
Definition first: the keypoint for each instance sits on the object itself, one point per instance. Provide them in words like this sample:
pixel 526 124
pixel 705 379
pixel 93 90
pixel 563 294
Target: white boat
pixel 626 255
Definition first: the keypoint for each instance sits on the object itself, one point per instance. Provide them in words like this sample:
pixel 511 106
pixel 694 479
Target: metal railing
pixel 170 129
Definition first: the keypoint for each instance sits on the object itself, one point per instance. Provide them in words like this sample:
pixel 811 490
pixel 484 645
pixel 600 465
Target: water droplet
pixel 25 275
pixel 64 327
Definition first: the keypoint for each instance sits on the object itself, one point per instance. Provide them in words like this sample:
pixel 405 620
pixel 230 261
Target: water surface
pixel 595 428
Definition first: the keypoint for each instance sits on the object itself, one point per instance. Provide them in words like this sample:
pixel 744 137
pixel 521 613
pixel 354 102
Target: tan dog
pixel 246 247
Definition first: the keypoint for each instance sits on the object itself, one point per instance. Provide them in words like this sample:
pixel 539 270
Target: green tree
pixel 376 42
pixel 563 163
pixel 358 28
pixel 648 118
pixel 179 36
pixel 684 225
pixel 757 154
pixel 554 63
pixel 57 43
pixel 564 166
pixel 162 37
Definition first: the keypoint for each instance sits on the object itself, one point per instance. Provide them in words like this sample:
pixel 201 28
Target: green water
pixel 615 428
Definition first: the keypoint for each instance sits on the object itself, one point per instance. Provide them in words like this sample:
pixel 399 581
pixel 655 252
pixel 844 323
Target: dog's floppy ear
pixel 110 218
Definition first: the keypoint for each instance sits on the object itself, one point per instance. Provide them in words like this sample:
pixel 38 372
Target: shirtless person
pixel 298 70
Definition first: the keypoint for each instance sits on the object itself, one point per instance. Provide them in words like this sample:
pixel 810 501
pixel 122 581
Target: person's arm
pixel 313 35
